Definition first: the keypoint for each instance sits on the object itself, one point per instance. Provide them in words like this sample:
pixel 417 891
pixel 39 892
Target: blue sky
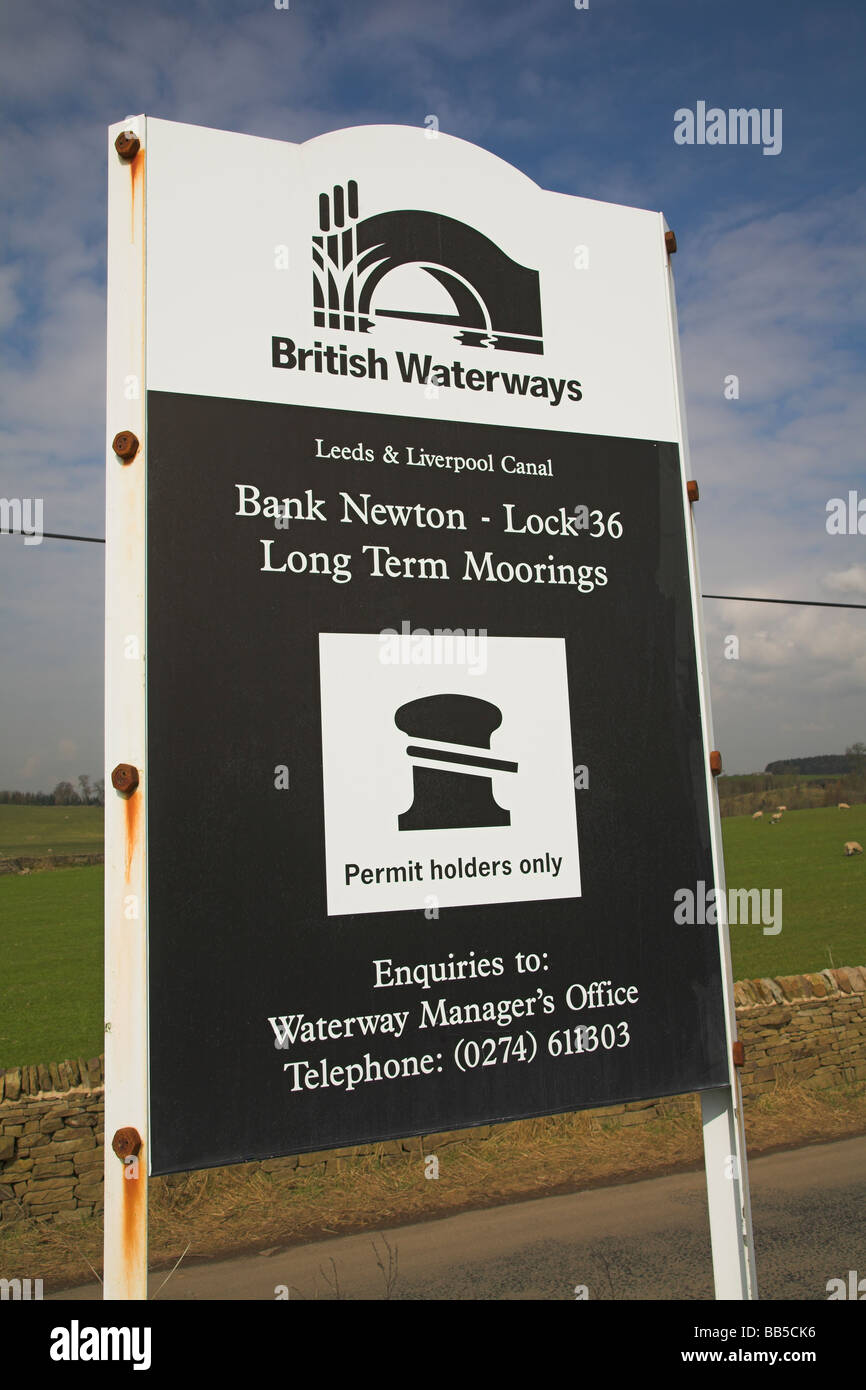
pixel 769 274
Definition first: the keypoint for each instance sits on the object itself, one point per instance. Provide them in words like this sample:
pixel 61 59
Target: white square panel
pixel 491 818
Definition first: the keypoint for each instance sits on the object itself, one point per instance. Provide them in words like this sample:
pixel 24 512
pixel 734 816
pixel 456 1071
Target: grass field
pixel 51 922
pixel 51 949
pixel 823 892
pixel 50 830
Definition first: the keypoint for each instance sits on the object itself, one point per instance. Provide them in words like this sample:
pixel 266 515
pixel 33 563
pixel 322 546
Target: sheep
pixel 852 847
pixel 757 815
pixel 843 806
pixel 774 820
pixel 781 808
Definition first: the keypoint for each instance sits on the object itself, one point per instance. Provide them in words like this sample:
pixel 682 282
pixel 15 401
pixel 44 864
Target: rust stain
pixel 136 175
pixel 130 811
pixel 133 1214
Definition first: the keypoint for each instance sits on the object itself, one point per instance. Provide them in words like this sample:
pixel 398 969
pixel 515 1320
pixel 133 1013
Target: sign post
pixel 424 735
pixel 126 1148
pixel 724 1133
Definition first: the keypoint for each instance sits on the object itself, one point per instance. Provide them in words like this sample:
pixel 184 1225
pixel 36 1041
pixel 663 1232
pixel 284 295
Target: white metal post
pixel 728 1193
pixel 125 1273
pixel 725 1155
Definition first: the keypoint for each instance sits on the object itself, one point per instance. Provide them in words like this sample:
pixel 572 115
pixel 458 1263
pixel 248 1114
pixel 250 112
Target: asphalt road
pixel 643 1240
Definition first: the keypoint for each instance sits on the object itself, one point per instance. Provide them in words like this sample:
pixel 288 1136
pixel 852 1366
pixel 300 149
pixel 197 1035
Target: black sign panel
pixel 425 773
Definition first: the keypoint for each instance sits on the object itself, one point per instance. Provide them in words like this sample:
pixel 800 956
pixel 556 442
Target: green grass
pixel 51 830
pixel 823 892
pixel 51 973
pixel 51 922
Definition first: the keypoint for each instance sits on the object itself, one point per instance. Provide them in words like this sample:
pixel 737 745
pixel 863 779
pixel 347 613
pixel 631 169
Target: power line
pixel 729 598
pixel 56 536
pixel 802 602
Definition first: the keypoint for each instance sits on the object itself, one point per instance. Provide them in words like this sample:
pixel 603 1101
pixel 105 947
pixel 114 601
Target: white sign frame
pixel 126 1091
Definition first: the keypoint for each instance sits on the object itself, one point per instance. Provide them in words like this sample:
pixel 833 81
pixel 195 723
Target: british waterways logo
pixel 465 279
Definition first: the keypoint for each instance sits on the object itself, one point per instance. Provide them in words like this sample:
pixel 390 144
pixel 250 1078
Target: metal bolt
pixel 693 490
pixel 127 1141
pixel 125 445
pixel 670 243
pixel 738 1052
pixel 127 145
pixel 124 778
pixel 715 762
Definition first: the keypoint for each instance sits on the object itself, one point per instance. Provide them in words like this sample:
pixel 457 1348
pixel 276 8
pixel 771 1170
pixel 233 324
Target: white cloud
pixel 849 581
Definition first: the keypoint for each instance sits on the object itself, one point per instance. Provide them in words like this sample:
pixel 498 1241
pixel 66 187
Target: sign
pixel 427 753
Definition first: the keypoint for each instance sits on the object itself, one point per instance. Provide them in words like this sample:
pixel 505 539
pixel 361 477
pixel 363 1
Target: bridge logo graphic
pixel 366 269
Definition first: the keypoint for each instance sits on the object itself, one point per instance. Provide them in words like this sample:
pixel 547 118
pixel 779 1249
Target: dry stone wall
pixel 810 1028
pixel 25 864
pixel 51 1140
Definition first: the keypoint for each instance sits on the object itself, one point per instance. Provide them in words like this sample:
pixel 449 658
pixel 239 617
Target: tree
pixel 86 790
pixel 66 795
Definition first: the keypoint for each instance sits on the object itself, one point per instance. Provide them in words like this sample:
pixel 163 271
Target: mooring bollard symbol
pixel 449 799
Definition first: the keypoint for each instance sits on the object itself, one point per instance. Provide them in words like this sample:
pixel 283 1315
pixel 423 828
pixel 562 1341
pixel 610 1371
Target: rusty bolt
pixel 125 445
pixel 127 144
pixel 715 762
pixel 693 490
pixel 124 778
pixel 126 1142
pixel 670 243
pixel 738 1052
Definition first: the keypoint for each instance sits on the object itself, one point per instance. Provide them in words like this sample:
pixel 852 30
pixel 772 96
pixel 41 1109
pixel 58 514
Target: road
pixel 642 1240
